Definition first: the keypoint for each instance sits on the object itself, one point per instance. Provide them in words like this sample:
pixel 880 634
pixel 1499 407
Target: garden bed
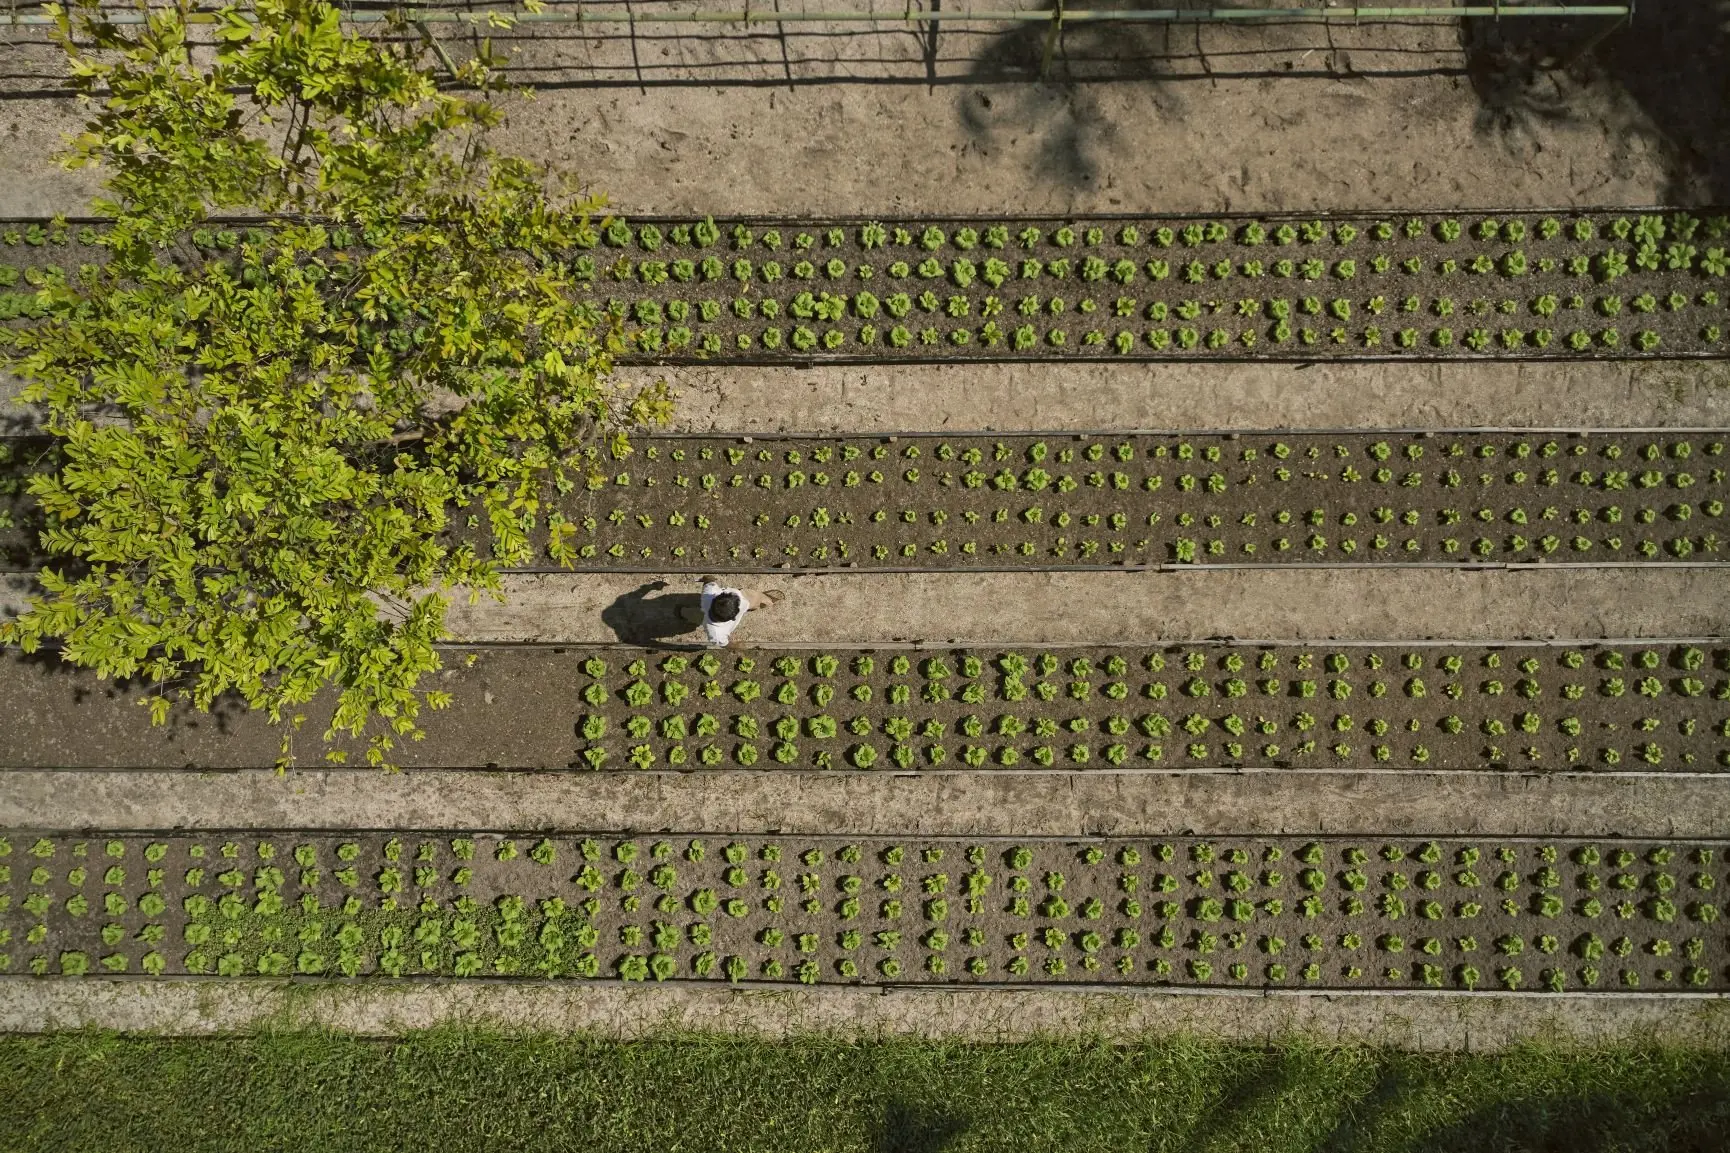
pixel 1335 913
pixel 1276 287
pixel 1102 501
pixel 1655 707
pixel 1435 706
pixel 1588 284
pixel 694 503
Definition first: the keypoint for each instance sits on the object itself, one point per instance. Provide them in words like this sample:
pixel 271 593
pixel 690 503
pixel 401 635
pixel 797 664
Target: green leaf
pixel 273 519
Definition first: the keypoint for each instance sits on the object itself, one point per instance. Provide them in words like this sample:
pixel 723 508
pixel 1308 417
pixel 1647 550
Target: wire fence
pixel 653 42
pixel 628 12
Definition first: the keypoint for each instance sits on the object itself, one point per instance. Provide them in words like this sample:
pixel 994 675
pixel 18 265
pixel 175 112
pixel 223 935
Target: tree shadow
pixel 637 618
pixel 1369 1105
pixel 1671 63
pixel 67 716
pixel 21 517
pixel 1694 1119
pixel 1073 130
pixel 905 1128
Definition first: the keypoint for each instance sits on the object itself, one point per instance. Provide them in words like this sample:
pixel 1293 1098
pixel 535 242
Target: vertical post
pixel 1051 36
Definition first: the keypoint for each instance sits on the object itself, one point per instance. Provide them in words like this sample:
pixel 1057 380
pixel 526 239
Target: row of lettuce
pixel 1324 913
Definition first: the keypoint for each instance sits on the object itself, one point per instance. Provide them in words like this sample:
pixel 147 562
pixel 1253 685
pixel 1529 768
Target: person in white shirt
pixel 724 606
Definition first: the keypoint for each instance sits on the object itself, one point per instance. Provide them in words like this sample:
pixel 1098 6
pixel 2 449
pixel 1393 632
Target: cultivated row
pixel 1098 501
pixel 1456 707
pixel 1400 913
pixel 1532 284
pixel 1590 284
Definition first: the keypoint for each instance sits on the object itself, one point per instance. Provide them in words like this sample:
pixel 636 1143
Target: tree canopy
pixel 265 445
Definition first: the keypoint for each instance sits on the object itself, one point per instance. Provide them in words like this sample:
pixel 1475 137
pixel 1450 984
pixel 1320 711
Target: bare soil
pixel 931 804
pixel 798 118
pixel 1070 608
pixel 957 398
pixel 1278 131
pixel 1178 604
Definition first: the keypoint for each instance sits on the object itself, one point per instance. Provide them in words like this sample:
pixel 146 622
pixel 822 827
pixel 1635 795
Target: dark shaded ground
pixel 1673 60
pixel 638 618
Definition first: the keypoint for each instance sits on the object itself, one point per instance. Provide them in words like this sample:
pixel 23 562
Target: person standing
pixel 723 607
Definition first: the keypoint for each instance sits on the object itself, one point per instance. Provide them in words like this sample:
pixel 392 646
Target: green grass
pixel 323 1092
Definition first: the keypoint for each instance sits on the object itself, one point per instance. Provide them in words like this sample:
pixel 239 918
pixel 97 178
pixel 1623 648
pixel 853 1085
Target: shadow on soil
pixel 906 1128
pixel 69 717
pixel 1668 70
pixel 966 54
pixel 21 521
pixel 1670 66
pixel 637 618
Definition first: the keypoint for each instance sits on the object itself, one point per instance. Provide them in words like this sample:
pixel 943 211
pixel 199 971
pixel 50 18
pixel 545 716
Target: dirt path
pixel 866 399
pixel 1102 608
pixel 964 398
pixel 1039 804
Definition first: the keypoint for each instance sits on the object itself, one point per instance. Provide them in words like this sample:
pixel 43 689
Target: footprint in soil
pixel 639 618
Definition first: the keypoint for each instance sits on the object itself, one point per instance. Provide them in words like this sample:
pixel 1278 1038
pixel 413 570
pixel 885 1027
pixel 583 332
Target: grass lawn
pixel 323 1092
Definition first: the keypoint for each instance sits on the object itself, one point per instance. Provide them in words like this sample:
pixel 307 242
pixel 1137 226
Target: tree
pixel 335 413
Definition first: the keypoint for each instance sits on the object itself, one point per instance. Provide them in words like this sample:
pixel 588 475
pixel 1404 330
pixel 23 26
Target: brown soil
pixel 819 119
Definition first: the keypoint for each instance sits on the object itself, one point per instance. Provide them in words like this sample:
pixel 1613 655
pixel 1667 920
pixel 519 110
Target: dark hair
pixel 724 607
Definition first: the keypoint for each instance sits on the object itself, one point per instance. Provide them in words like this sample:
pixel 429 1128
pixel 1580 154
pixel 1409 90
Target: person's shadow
pixel 637 618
